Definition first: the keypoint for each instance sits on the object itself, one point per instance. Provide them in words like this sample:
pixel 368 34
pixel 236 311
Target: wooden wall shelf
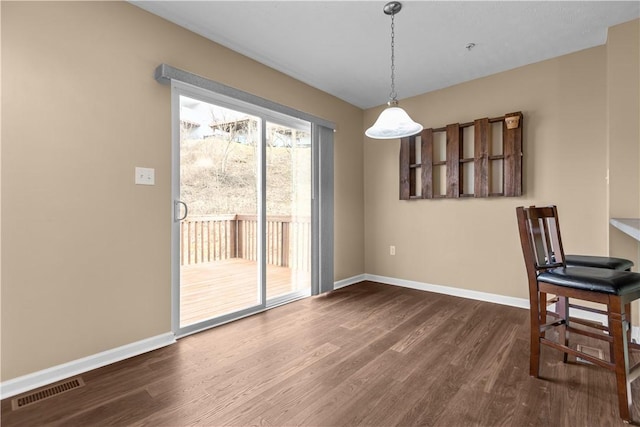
pixel 482 158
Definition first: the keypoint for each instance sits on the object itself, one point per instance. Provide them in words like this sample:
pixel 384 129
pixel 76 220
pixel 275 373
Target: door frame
pixel 179 88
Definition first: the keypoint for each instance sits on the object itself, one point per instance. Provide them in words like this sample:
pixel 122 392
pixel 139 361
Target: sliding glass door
pixel 288 205
pixel 219 272
pixel 242 210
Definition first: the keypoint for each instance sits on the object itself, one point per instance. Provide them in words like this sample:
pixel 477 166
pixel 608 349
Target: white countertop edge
pixel 630 226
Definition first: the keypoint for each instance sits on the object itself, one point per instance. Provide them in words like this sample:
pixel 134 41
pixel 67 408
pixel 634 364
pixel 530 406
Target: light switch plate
pixel 145 176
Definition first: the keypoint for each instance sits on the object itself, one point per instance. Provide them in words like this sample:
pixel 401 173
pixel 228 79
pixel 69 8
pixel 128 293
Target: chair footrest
pixel 589 309
pixel 595 360
pixel 634 373
pixel 551 325
pixel 589 323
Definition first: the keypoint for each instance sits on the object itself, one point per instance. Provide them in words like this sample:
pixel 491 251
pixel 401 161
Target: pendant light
pixel 393 122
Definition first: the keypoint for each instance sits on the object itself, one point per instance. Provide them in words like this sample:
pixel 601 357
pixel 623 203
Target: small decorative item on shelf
pixel 512 122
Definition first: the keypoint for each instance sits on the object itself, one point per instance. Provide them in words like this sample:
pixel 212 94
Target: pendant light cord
pixel 393 122
pixel 393 95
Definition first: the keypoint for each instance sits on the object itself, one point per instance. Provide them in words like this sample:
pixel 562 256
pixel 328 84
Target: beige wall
pixel 623 136
pixel 473 243
pixel 85 252
pixel 623 114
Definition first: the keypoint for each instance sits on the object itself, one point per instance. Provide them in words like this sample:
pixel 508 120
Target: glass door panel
pixel 288 211
pixel 219 266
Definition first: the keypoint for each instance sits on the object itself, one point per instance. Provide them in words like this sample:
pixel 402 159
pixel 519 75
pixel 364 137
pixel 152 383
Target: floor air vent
pixel 46 393
pixel 591 351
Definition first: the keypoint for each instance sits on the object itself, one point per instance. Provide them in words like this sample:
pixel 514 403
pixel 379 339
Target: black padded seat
pixel 598 262
pixel 603 280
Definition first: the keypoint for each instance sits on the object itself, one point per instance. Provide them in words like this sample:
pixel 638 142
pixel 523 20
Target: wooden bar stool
pixel 548 273
pixel 610 263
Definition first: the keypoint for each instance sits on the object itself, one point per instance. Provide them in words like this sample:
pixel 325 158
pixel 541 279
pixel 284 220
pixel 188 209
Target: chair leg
pixel 535 311
pixel 543 311
pixel 627 325
pixel 543 308
pixel 627 310
pixel 562 309
pixel 617 328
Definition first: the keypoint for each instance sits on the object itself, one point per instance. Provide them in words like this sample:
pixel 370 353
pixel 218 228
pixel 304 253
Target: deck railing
pixel 213 238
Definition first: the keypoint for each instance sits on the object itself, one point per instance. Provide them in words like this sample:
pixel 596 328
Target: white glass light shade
pixel 393 123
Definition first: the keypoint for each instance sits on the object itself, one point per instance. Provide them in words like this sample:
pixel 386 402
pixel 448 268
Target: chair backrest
pixel 540 238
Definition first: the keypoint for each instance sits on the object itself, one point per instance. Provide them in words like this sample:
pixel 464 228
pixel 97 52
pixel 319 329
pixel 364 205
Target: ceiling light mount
pixel 393 122
pixel 392 7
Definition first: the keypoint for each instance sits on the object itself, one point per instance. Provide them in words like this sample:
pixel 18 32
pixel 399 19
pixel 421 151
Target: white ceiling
pixel 343 47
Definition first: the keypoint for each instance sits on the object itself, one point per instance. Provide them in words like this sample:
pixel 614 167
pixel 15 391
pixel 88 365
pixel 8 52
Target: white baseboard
pixel 447 290
pixel 495 298
pixel 349 281
pixel 41 378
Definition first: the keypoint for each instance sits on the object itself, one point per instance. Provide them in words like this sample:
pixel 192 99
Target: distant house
pixel 201 120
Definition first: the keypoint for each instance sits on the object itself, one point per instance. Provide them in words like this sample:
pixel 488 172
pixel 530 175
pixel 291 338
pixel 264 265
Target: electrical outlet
pixel 392 250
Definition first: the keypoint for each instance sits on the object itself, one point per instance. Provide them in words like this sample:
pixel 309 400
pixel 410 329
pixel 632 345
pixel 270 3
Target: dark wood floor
pixel 367 354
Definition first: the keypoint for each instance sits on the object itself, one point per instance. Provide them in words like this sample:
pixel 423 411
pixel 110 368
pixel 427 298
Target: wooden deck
pixel 215 288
